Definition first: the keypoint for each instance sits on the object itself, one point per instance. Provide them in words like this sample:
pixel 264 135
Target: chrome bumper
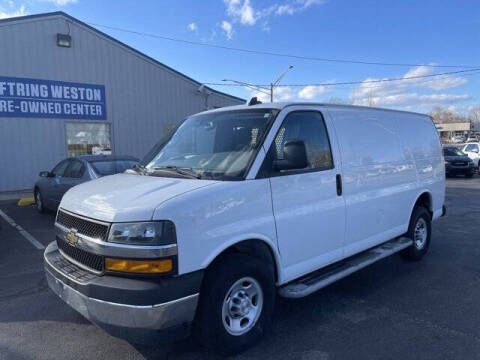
pixel 153 317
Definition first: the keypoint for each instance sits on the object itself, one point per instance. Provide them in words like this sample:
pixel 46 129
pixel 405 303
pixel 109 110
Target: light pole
pixel 262 89
pixel 272 85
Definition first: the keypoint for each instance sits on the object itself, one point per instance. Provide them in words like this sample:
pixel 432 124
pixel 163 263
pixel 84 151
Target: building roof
pixel 75 20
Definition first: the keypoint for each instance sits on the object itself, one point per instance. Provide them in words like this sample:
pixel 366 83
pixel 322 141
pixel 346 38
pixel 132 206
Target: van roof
pixel 282 105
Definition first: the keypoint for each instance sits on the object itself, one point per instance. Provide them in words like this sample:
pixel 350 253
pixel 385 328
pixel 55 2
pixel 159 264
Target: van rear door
pixel 309 213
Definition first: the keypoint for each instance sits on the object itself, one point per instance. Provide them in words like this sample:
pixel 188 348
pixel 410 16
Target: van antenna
pixel 254 101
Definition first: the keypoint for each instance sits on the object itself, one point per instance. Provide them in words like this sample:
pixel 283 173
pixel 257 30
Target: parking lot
pixel 390 310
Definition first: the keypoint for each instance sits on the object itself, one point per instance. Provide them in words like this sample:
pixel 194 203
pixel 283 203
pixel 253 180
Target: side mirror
pixel 45 174
pixel 295 156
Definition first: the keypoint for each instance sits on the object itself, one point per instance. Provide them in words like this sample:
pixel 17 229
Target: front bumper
pixel 462 169
pixel 120 305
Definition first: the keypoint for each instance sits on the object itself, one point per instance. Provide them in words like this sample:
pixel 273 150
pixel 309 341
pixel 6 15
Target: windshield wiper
pixel 188 172
pixel 140 169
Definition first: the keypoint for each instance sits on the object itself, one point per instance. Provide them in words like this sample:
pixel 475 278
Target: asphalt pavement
pixel 390 310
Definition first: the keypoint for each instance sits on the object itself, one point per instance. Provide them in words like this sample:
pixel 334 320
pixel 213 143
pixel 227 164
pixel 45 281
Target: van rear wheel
pixel 420 231
pixel 236 303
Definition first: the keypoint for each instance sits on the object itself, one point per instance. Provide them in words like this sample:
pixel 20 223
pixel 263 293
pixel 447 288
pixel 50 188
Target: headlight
pixel 143 233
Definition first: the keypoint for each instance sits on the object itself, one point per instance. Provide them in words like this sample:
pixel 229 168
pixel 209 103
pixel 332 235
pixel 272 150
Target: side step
pixel 324 277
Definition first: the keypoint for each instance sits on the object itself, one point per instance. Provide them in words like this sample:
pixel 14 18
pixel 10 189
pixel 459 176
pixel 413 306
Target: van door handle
pixel 339 185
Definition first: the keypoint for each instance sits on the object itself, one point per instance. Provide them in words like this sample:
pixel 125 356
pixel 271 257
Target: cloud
pixel 443 82
pixel 261 96
pixel 283 93
pixel 294 6
pixel 227 27
pixel 242 11
pixel 288 93
pixel 19 12
pixel 192 26
pixel 61 2
pixel 412 99
pixel 436 83
pixel 308 3
pixel 406 92
pixel 284 9
pixel 310 92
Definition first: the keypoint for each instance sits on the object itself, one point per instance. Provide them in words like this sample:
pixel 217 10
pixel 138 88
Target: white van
pixel 238 204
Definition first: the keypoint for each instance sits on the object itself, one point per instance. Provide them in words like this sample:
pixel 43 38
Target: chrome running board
pixel 324 277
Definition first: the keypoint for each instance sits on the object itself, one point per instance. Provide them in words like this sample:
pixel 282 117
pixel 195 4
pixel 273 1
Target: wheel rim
pixel 420 233
pixel 38 200
pixel 242 306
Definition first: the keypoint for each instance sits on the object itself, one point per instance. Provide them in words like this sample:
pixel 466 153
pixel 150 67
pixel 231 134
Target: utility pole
pixel 272 85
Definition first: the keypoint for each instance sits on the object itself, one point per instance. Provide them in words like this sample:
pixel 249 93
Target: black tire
pixel 418 249
pixel 469 175
pixel 220 277
pixel 39 204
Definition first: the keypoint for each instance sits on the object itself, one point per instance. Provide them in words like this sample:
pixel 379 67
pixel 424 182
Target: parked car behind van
pixel 457 162
pixel 240 203
pixel 51 186
pixel 472 149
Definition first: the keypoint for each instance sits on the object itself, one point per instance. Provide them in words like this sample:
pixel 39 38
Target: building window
pixel 85 138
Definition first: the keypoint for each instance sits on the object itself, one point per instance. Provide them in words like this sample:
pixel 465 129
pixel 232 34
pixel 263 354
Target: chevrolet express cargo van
pixel 239 204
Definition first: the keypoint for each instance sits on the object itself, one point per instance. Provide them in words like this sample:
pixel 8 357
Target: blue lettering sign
pixel 36 98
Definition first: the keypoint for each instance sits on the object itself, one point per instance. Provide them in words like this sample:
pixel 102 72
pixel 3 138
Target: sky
pixel 408 32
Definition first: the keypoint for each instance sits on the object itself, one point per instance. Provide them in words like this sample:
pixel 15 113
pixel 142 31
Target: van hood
pixel 126 197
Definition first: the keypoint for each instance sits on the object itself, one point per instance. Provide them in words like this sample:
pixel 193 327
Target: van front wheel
pixel 236 303
pixel 420 231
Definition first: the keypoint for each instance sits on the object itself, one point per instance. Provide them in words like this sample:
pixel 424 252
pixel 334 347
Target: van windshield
pixel 452 151
pixel 218 145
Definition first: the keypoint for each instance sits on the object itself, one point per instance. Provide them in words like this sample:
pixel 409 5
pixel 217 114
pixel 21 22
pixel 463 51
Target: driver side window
pixel 74 170
pixel 59 170
pixel 309 127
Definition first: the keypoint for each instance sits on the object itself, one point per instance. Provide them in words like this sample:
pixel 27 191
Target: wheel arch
pixel 256 246
pixel 424 198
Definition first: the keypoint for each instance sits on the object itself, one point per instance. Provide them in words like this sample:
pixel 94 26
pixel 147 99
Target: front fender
pixel 257 237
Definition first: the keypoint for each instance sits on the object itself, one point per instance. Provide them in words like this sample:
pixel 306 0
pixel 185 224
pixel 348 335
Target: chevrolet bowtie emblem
pixel 72 237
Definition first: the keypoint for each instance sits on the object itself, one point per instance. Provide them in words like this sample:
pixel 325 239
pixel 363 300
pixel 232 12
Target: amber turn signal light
pixel 139 266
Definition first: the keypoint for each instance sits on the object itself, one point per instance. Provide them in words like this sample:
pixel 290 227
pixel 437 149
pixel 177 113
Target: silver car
pixel 51 186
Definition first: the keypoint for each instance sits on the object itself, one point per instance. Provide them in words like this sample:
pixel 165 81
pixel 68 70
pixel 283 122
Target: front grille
pixel 70 270
pixel 91 261
pixel 460 163
pixel 85 227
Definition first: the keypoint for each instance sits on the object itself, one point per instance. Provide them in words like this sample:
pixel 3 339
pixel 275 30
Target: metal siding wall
pixel 142 96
